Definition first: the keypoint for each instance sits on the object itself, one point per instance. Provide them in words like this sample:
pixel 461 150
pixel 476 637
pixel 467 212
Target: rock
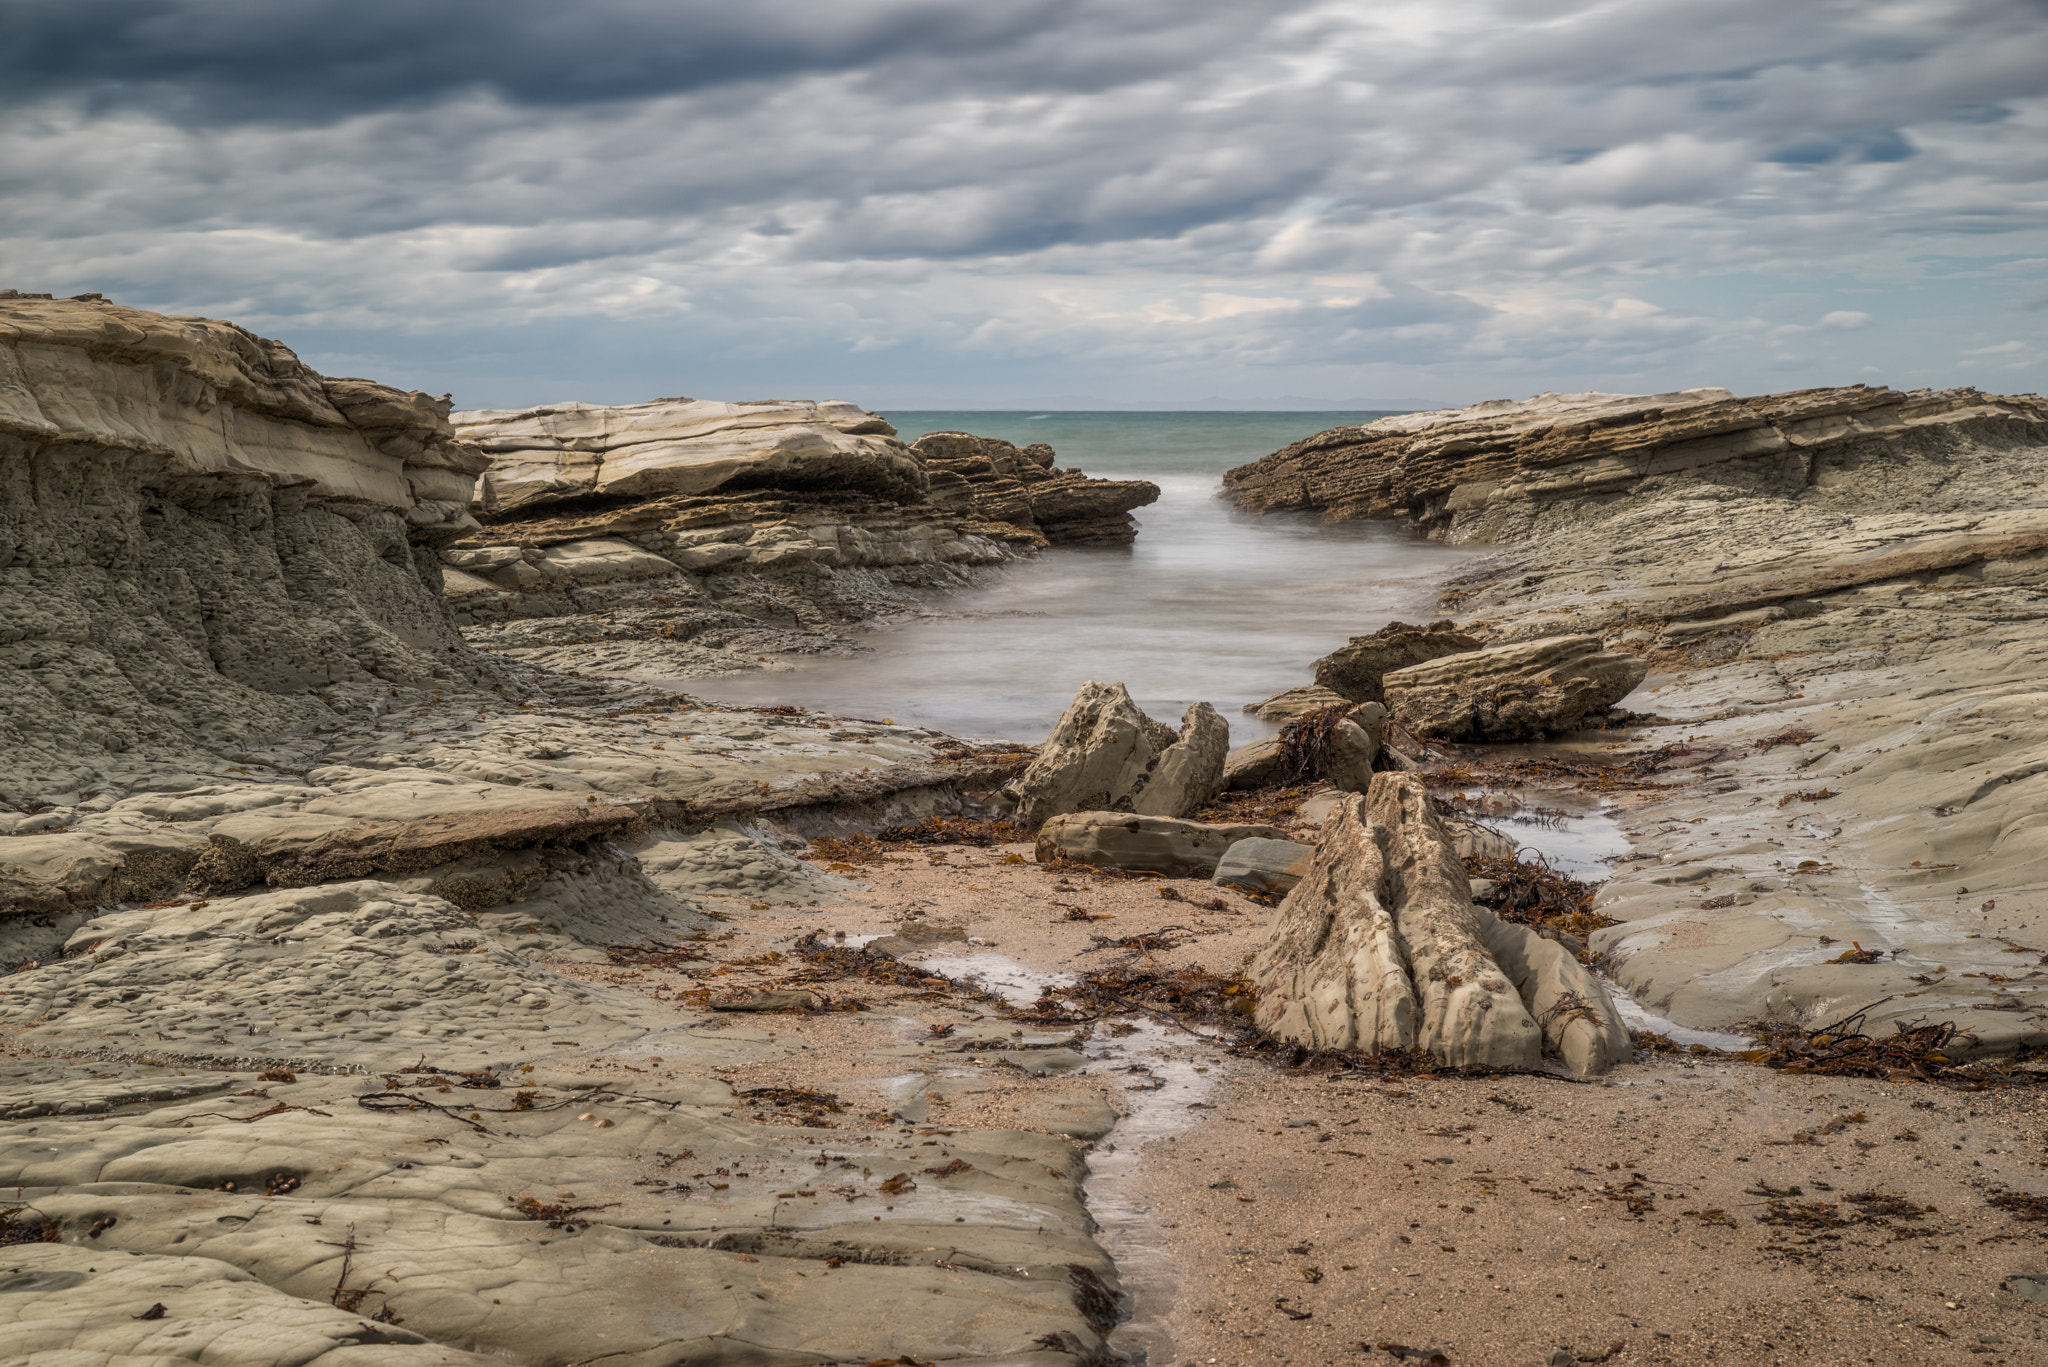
pixel 1189 771
pixel 1355 670
pixel 77 1304
pixel 1296 703
pixel 564 451
pixel 1155 844
pixel 200 540
pixel 1107 755
pixel 1356 746
pixel 1472 473
pixel 2032 1286
pixel 767 999
pixel 1256 765
pixel 1319 807
pixel 1268 867
pixel 1380 947
pixel 1518 692
pixel 1003 484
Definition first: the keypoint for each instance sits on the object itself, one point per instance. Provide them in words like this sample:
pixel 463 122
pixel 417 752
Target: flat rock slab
pixel 703 1237
pixel 1153 844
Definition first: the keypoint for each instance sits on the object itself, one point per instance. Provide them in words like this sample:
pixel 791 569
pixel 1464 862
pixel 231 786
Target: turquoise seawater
pixel 1210 604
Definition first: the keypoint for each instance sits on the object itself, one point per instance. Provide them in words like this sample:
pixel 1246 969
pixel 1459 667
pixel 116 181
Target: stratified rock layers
pixel 1380 947
pixel 1477 473
pixel 588 507
pixel 201 538
pixel 1024 488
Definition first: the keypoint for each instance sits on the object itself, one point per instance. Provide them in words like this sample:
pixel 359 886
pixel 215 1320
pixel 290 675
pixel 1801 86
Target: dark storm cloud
pixel 228 60
pixel 1209 182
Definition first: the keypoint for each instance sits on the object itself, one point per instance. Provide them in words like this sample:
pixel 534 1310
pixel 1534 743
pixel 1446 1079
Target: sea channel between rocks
pixel 408 966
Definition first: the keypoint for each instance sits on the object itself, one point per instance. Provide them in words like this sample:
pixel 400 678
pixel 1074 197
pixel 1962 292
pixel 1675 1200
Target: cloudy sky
pixel 1052 203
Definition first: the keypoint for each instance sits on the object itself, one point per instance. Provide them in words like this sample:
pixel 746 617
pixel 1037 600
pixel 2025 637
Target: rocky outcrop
pixel 1517 692
pixel 1106 755
pixel 1354 670
pixel 1476 473
pixel 709 532
pixel 204 541
pixel 1000 483
pixel 1380 947
pixel 1151 844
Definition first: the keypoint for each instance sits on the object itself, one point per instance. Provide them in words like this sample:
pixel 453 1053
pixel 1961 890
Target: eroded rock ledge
pixel 205 543
pixel 1480 473
pixel 722 523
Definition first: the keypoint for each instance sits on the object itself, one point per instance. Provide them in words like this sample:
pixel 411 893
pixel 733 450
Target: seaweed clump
pixel 1923 1053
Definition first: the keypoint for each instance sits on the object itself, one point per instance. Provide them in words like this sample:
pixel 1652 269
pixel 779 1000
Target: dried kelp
pixel 1534 894
pixel 1910 1053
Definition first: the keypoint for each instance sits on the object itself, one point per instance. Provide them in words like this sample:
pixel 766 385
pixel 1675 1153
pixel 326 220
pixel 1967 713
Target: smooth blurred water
pixel 1209 604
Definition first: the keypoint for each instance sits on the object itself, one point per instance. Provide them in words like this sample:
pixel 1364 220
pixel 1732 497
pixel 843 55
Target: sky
pixel 1052 203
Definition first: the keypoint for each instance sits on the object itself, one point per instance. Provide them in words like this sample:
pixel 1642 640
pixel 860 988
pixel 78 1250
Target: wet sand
pixel 1687 1210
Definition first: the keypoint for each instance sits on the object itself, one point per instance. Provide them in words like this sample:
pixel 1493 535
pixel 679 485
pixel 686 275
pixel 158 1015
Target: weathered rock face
pixel 564 452
pixel 1474 473
pixel 706 521
pixel 1154 844
pixel 1516 692
pixel 1354 671
pixel 1105 754
pixel 1000 483
pixel 1380 947
pixel 203 539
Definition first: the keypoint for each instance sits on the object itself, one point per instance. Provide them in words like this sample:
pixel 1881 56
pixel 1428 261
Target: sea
pixel 1209 603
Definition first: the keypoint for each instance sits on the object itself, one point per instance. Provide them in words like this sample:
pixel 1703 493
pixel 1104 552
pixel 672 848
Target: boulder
pixel 1152 844
pixel 1189 771
pixel 1106 755
pixel 1356 745
pixel 1296 703
pixel 1260 865
pixel 1354 671
pixel 1380 947
pixel 1517 692
pixel 1256 765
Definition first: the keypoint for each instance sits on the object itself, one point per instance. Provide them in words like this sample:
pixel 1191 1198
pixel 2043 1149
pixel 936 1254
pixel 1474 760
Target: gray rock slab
pixel 1268 867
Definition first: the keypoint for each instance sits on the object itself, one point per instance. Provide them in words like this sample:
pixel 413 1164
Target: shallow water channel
pixel 1162 1083
pixel 1209 605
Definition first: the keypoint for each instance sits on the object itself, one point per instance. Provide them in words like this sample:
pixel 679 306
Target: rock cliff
pixel 1486 473
pixel 702 526
pixel 206 543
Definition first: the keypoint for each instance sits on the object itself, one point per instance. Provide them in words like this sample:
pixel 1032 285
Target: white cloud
pixel 1427 196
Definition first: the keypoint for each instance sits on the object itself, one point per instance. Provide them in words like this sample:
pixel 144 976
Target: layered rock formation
pixel 203 541
pixel 1522 691
pixel 1355 670
pixel 1482 473
pixel 998 482
pixel 1839 598
pixel 1380 947
pixel 707 521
